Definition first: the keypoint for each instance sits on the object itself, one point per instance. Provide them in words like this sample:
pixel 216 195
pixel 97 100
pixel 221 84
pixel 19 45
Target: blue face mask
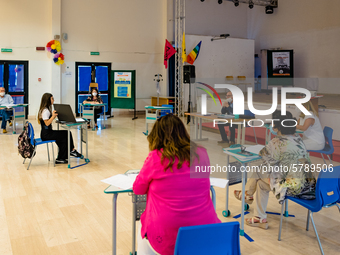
pixel 272 130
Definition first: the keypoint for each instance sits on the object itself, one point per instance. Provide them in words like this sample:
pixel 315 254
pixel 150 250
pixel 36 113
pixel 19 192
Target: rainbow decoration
pixel 53 46
pixel 58 58
pixel 193 55
pixel 208 92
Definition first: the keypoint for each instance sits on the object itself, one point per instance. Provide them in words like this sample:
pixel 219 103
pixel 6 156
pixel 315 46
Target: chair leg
pixel 338 207
pixel 24 161
pixel 48 152
pixel 282 207
pixel 323 159
pixel 307 224
pixel 316 233
pixel 35 148
pixel 53 155
pixel 255 135
pixel 329 159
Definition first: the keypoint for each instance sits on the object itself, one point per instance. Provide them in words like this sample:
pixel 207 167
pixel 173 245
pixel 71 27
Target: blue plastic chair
pixel 220 238
pixel 329 149
pixel 249 113
pixel 327 193
pixel 165 112
pixel 36 142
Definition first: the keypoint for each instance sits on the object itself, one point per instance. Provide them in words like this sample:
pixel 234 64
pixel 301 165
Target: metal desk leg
pixel 243 203
pixel 226 212
pixel 196 130
pixel 239 134
pixel 103 127
pixel 200 128
pixel 286 208
pixel 213 196
pixel 114 224
pixel 14 122
pixel 134 216
pixel 68 147
pixel 243 135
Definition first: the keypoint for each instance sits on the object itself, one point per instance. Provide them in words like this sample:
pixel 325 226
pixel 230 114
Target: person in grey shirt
pixel 5 113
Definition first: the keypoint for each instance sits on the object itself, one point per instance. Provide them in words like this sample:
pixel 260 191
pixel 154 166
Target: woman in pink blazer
pixel 177 196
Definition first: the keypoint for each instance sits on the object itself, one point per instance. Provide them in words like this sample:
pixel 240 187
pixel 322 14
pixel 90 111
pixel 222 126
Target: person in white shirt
pixel 45 119
pixel 5 99
pixel 313 136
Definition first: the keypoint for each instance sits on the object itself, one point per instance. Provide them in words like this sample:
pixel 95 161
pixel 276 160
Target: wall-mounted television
pixel 280 65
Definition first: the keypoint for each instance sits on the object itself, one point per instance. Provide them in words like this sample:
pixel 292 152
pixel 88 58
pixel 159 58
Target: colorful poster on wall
pixel 122 85
pixel 281 64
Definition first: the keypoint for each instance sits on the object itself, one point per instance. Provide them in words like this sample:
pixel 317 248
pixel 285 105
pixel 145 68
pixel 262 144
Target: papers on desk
pixel 225 116
pixel 255 148
pixel 217 182
pixel 8 105
pixel 80 120
pixel 121 181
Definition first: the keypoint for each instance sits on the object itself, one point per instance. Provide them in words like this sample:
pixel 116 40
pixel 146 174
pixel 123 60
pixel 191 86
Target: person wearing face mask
pixel 283 169
pixel 227 109
pixel 94 99
pixel 5 113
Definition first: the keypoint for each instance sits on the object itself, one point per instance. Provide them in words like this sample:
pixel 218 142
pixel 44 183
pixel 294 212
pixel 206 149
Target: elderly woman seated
pixel 284 169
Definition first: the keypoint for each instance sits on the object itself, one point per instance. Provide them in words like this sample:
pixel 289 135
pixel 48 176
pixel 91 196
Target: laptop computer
pixel 65 114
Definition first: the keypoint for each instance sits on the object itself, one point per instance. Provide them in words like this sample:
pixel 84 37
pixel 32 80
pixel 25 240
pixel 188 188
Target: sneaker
pixel 223 141
pixel 4 131
pixel 61 161
pixel 10 123
pixel 76 154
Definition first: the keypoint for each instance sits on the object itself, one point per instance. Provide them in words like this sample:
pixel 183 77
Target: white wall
pixel 130 34
pixel 211 18
pixel 311 28
pixel 24 26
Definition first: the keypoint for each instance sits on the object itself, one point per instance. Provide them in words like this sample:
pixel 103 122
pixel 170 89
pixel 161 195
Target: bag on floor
pixel 25 146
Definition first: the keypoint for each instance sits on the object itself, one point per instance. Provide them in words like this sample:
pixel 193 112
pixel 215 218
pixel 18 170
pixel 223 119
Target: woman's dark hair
pixel 45 103
pixel 289 123
pixel 169 134
pixel 94 88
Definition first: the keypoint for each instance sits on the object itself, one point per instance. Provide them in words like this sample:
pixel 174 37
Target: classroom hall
pixel 264 49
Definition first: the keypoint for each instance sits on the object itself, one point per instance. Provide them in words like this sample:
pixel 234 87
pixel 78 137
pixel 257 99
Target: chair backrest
pixel 249 113
pixel 328 186
pixel 93 85
pixel 31 132
pixel 165 112
pixel 328 132
pixel 221 238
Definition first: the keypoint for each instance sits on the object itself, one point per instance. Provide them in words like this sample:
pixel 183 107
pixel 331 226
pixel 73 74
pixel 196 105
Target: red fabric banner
pixel 168 52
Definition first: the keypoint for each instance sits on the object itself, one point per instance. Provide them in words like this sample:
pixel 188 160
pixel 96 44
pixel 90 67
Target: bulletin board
pixel 123 89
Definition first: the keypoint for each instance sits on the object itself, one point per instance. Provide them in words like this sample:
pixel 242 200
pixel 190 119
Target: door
pixel 93 72
pixel 14 78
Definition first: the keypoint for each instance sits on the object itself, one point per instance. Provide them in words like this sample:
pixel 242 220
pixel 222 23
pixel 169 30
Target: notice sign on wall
pixel 281 64
pixel 122 85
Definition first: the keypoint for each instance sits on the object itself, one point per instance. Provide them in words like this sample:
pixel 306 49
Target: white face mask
pixel 94 94
pixel 2 94
pixel 229 100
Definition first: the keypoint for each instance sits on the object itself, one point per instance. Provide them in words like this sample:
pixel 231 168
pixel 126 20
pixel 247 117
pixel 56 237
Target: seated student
pixel 95 99
pixel 45 118
pixel 227 109
pixel 5 99
pixel 313 136
pixel 174 198
pixel 283 153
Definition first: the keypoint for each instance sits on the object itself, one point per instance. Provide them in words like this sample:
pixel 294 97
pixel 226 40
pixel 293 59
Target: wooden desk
pixel 240 131
pixel 162 100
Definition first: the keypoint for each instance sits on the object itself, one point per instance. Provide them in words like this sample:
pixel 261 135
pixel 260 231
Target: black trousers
pixel 60 136
pixel 97 113
pixel 223 133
